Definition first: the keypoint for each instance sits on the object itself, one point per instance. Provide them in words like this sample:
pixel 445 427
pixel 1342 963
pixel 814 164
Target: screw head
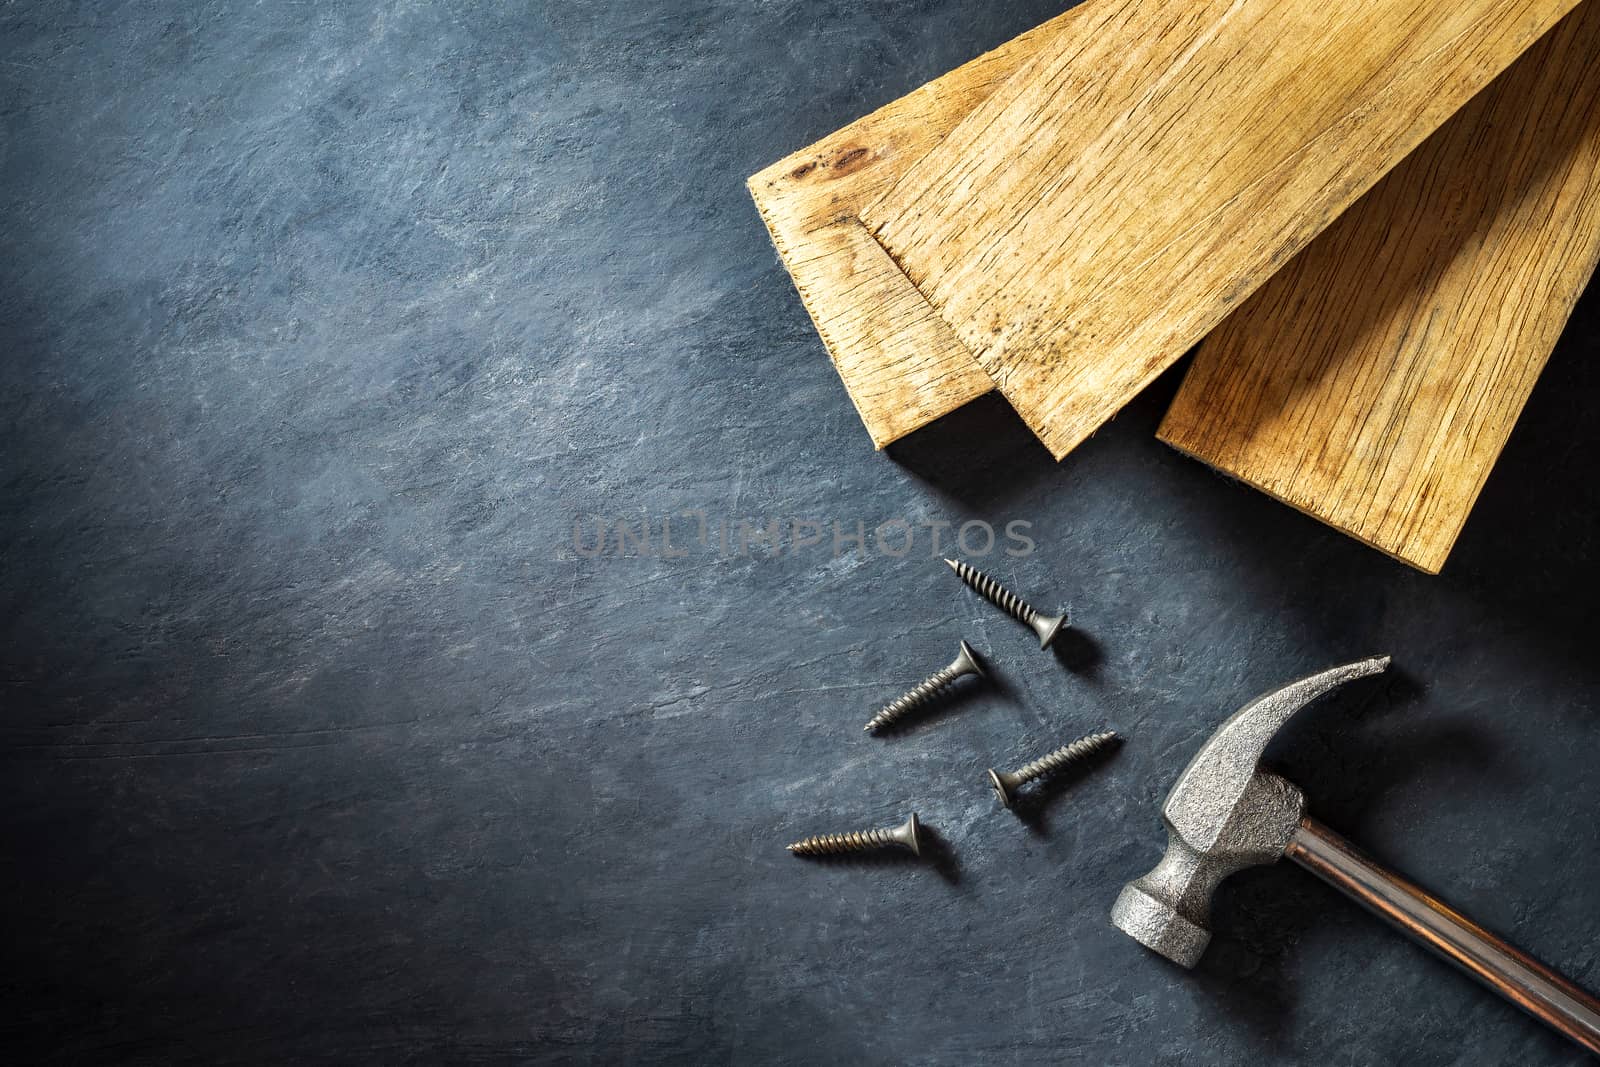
pixel 968 661
pixel 909 835
pixel 1002 787
pixel 1048 627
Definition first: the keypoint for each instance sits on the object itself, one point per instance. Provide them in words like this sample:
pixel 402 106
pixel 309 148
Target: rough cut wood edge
pixel 1374 381
pixel 1110 204
pixel 901 365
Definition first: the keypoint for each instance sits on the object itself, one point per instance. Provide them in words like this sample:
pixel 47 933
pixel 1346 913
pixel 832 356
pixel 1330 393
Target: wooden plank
pixel 1373 382
pixel 901 365
pixel 1111 203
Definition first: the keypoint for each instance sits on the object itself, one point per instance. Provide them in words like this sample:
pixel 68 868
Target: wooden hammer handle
pixel 1507 970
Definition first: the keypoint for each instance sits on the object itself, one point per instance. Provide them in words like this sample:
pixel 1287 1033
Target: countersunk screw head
pixel 1047 627
pixel 908 835
pixel 967 662
pixel 1005 784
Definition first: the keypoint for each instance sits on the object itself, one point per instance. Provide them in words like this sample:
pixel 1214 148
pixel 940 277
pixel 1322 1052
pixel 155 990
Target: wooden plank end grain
pixel 1102 211
pixel 1374 381
pixel 901 365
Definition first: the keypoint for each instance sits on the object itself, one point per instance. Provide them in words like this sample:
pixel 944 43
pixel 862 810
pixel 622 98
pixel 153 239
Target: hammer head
pixel 1224 814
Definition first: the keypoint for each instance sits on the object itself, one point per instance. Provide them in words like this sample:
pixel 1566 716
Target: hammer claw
pixel 1211 786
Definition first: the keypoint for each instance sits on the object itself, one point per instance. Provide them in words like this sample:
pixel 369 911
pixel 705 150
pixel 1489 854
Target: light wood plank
pixel 901 365
pixel 1105 208
pixel 1373 382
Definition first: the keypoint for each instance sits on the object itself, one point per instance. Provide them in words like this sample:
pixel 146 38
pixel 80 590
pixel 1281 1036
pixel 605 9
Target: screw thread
pixel 995 593
pixel 835 844
pixel 914 699
pixel 1064 756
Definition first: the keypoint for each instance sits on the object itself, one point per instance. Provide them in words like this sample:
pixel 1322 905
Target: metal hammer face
pixel 1223 815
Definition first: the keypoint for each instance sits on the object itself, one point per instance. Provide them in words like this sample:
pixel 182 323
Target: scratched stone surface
pixel 332 732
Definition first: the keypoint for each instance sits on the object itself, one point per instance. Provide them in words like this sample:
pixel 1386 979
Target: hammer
pixel 1226 814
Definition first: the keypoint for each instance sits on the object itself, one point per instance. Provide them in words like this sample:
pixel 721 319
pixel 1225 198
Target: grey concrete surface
pixel 324 326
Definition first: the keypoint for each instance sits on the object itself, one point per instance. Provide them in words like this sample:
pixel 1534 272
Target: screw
pixel 965 663
pixel 1046 626
pixel 906 836
pixel 1066 755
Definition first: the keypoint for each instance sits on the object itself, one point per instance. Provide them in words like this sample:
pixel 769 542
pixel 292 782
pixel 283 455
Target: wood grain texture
pixel 1111 203
pixel 902 366
pixel 1373 382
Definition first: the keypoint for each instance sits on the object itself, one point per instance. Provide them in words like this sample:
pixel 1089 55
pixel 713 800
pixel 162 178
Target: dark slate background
pixel 322 326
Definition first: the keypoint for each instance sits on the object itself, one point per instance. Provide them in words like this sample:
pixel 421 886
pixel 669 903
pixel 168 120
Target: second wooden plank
pixel 1108 206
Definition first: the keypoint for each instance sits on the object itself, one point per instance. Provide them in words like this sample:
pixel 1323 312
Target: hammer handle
pixel 1509 971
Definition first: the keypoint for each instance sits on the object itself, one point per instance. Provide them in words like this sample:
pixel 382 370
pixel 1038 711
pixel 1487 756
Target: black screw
pixel 965 663
pixel 1005 784
pixel 1046 626
pixel 906 836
